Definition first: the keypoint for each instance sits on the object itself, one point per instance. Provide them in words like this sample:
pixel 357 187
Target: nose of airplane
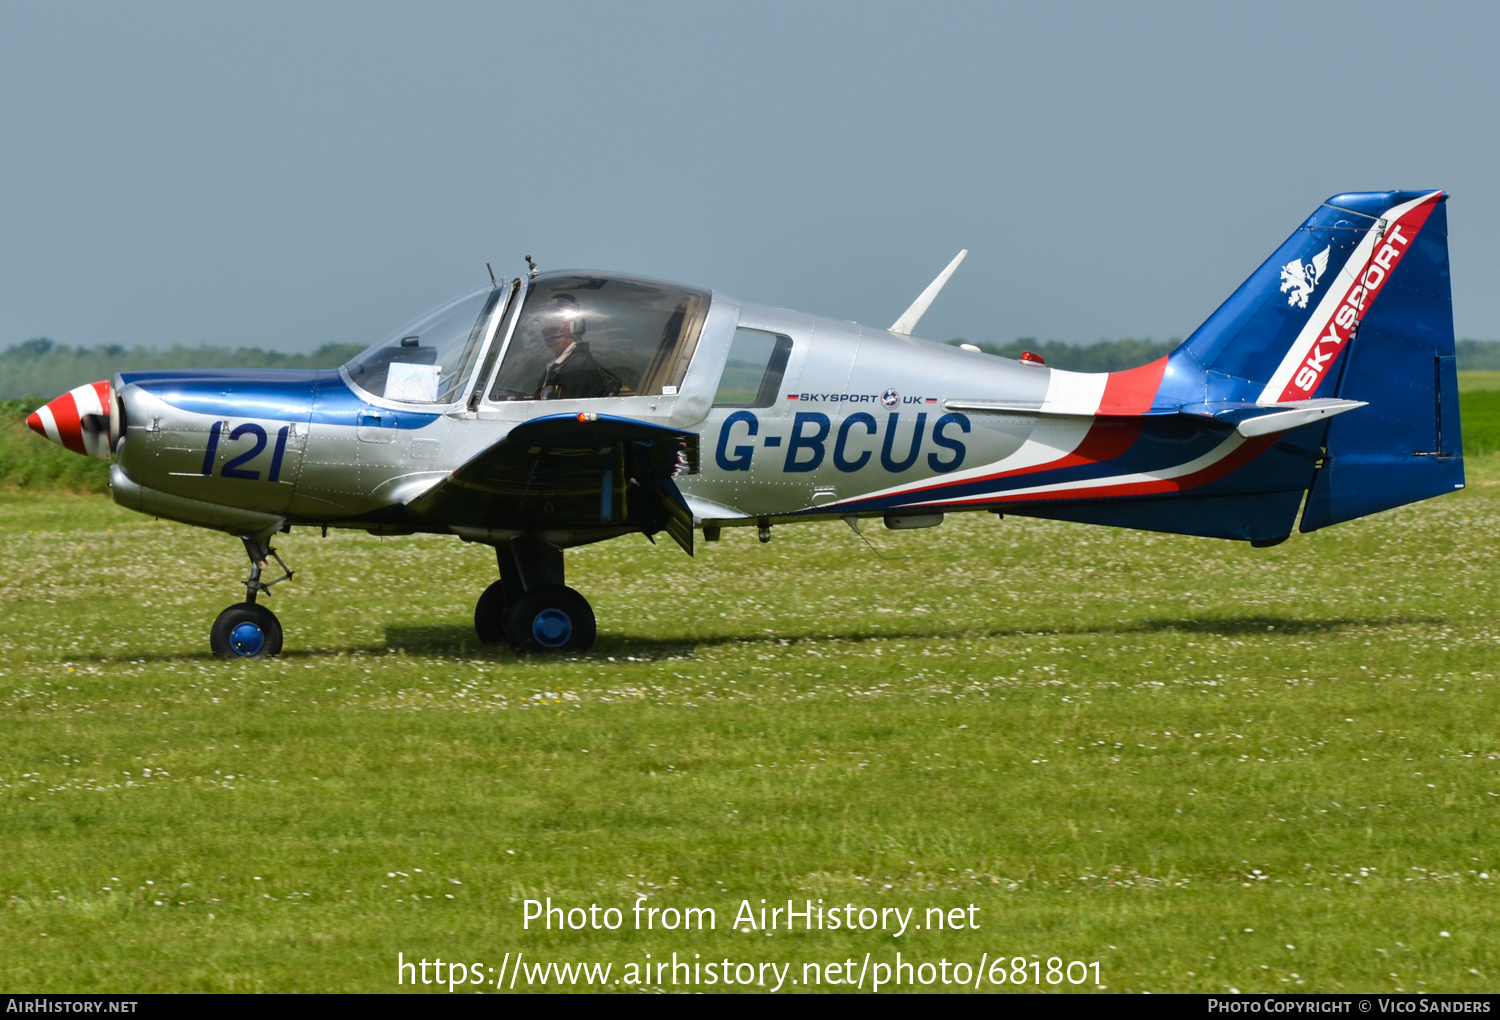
pixel 78 420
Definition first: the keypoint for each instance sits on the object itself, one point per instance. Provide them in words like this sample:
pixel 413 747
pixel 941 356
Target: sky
pixel 285 175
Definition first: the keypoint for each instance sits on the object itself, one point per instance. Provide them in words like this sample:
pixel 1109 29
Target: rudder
pixel 1407 444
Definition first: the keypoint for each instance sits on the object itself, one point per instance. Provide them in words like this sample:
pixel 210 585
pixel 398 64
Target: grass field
pixel 1202 765
pixel 1479 409
pixel 1470 382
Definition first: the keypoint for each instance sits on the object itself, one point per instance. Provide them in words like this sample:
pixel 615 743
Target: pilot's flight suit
pixel 576 374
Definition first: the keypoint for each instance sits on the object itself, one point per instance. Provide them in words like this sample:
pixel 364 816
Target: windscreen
pixel 428 360
pixel 600 335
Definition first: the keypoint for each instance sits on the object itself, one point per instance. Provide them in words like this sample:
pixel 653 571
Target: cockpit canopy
pixel 579 335
pixel 600 335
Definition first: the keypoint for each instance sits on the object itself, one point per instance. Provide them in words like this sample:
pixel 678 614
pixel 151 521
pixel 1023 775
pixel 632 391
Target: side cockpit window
pixel 752 375
pixel 581 336
pixel 429 360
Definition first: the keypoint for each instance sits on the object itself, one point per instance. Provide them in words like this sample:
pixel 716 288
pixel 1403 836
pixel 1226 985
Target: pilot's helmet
pixel 561 317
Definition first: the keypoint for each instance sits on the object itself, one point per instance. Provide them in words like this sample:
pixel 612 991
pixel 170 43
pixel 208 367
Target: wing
pixel 573 471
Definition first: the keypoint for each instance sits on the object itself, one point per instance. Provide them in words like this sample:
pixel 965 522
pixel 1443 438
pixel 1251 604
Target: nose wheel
pixel 247 630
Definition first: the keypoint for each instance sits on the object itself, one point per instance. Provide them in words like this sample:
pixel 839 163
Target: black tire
pixel 489 615
pixel 554 618
pixel 246 631
pixel 273 631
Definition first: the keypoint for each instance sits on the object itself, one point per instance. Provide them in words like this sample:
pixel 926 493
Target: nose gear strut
pixel 259 553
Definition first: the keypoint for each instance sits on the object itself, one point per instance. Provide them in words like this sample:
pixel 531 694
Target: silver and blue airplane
pixel 564 408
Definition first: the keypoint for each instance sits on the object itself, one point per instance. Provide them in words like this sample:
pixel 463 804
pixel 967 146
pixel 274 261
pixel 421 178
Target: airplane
pixel 566 408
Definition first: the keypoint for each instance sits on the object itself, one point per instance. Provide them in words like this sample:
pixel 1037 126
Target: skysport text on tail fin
pixel 1355 306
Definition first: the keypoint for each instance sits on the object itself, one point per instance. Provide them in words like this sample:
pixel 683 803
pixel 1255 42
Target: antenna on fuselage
pixel 493 281
pixel 533 270
pixel 913 315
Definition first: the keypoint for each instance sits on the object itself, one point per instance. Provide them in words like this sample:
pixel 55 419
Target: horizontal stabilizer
pixel 1251 420
pixel 1246 418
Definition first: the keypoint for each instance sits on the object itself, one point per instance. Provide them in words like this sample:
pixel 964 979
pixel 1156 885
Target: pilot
pixel 573 372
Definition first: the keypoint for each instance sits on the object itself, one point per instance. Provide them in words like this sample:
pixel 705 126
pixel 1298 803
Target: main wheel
pixel 554 618
pixel 246 631
pixel 490 614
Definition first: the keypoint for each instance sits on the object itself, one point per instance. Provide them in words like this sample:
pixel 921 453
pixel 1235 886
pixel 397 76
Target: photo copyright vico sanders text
pixel 1362 1004
pixel 873 971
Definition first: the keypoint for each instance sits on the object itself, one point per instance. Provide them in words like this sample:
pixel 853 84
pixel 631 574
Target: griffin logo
pixel 1298 281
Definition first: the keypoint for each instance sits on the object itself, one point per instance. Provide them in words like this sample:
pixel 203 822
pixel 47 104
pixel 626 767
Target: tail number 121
pixel 234 467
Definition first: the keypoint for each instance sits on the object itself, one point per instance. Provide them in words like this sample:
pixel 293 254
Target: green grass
pixel 1479 412
pixel 1468 382
pixel 1205 766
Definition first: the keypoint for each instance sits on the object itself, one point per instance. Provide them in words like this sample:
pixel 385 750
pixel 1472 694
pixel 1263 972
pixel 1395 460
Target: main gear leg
pixel 530 605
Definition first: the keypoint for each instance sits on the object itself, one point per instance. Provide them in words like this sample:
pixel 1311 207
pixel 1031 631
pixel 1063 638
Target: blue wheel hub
pixel 247 639
pixel 552 628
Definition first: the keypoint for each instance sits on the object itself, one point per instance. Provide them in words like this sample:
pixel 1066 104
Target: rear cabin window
pixel 584 335
pixel 752 375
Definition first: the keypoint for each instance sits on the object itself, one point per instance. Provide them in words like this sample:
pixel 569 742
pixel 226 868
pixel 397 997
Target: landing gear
pixel 247 630
pixel 530 606
pixel 551 619
pixel 490 614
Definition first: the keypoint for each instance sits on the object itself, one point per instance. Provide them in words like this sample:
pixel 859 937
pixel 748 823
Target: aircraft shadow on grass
pixel 460 639
pixel 456 638
pixel 1237 626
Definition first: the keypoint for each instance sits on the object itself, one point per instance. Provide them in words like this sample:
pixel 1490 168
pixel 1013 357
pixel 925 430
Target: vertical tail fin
pixel 1280 334
pixel 1355 304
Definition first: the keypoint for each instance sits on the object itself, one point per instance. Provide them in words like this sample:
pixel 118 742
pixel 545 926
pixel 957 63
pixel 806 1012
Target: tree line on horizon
pixel 40 370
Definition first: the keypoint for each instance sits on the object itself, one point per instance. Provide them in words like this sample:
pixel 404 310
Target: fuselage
pixel 841 419
pixel 856 411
